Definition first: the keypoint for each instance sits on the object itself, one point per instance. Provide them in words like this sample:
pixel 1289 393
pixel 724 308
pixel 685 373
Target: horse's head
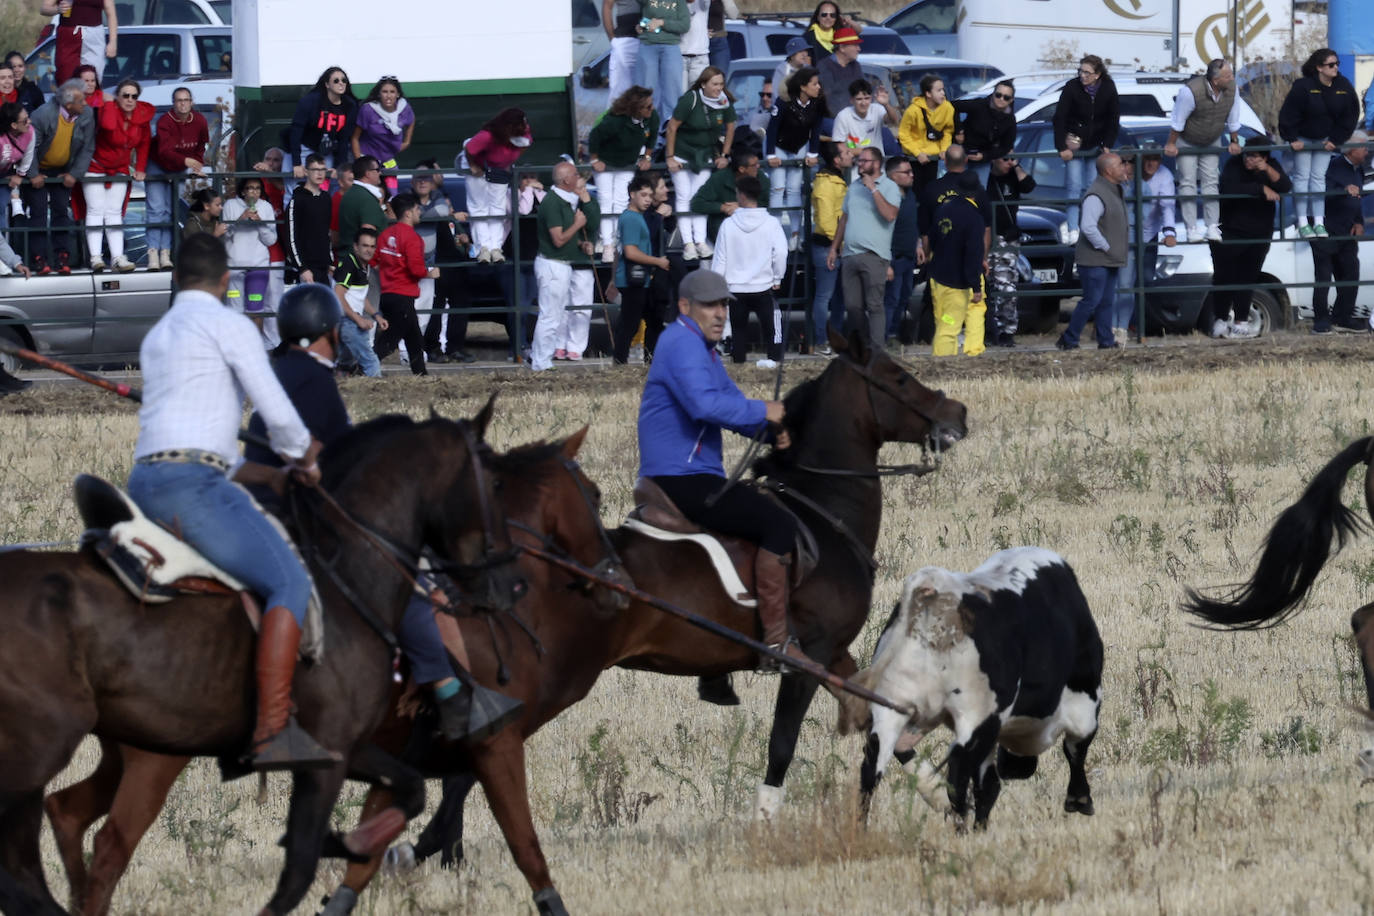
pixel 903 408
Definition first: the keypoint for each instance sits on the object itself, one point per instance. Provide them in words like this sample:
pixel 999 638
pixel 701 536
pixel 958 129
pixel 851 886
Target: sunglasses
pixel 128 95
pixel 1332 63
pixel 825 15
pixel 1002 95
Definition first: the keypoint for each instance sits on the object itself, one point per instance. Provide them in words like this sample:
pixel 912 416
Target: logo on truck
pixel 1243 25
pixel 1115 7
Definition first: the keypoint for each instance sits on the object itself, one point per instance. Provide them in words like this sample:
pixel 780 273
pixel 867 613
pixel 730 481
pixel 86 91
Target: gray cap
pixel 797 44
pixel 702 285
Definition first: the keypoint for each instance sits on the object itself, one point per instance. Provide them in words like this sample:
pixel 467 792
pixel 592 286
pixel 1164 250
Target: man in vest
pixel 1100 253
pixel 1206 107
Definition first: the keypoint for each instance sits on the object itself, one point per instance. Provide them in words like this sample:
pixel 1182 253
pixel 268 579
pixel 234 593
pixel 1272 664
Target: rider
pixel 688 399
pixel 198 362
pixel 309 318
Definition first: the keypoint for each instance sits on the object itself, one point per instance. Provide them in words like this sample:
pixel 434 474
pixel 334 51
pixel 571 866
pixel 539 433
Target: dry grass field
pixel 1223 774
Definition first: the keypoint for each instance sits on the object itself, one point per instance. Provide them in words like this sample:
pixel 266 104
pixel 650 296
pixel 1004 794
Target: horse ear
pixel 573 443
pixel 483 418
pixel 838 342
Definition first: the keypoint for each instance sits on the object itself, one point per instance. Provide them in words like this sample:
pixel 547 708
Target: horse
pixel 549 503
pixel 1295 550
pixel 84 656
pixel 830 477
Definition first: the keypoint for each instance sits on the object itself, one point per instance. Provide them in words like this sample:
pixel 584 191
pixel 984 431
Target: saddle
pixel 655 515
pixel 156 566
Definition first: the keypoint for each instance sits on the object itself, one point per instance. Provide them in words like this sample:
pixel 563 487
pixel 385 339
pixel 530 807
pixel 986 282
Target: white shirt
pixel 696 40
pixel 857 132
pixel 198 362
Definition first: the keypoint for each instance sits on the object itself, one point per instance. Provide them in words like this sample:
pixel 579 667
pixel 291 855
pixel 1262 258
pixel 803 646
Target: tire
pixel 1273 315
pixel 10 335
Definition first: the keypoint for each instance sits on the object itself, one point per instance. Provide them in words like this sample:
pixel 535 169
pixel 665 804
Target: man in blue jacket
pixel 1337 257
pixel 687 400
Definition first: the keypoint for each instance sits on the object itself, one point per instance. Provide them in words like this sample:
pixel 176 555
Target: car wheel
pixel 1271 312
pixel 8 361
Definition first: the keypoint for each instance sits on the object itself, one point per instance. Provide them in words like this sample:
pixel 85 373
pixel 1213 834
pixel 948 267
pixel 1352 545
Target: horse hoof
pixel 340 903
pixel 400 858
pixel 768 803
pixel 549 903
pixel 1082 805
pixel 717 690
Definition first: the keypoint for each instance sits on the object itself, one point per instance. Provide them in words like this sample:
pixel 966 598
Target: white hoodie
pixel 751 251
pixel 248 241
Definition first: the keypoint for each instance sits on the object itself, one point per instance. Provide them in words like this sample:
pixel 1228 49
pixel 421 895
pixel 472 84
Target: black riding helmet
pixel 307 312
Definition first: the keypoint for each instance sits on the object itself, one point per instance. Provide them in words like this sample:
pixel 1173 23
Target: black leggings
pixel 402 324
pixel 742 512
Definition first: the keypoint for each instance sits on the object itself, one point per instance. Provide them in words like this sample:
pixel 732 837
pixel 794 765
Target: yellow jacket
pixel 912 132
pixel 827 200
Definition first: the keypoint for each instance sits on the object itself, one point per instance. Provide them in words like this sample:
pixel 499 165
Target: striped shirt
pixel 199 361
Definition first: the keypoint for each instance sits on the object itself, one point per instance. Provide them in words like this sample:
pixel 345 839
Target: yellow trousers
pixel 955 311
pixel 638 340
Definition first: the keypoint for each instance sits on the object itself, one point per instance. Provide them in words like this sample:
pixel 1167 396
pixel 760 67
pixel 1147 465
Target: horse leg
pixel 407 787
pixel 1362 623
pixel 313 794
pixel 500 765
pixel 138 799
pixel 795 693
pixel 23 888
pixel 444 834
pixel 72 811
pixel 358 874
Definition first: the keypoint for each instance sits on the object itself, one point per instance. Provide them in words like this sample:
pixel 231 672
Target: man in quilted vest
pixel 1206 108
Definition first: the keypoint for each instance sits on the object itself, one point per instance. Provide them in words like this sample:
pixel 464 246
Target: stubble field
pixel 1223 774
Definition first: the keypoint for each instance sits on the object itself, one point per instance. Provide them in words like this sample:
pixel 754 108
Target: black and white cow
pixel 1005 655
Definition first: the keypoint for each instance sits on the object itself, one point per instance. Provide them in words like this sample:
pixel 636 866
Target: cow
pixel 1007 656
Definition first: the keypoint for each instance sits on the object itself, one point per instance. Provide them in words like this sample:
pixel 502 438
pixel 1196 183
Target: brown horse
pixel 82 656
pixel 830 477
pixel 551 505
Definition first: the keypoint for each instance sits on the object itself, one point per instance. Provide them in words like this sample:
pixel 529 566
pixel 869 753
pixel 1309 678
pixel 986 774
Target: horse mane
pixel 357 446
pixel 801 403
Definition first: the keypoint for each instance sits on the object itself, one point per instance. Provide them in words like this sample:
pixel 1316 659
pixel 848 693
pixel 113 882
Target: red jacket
pixel 176 142
pixel 400 260
pixel 119 138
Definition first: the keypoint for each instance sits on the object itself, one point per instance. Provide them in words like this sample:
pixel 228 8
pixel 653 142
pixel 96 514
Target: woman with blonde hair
pixel 621 143
pixel 700 134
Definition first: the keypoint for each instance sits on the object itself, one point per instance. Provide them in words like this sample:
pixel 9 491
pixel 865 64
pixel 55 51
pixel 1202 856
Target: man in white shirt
pixel 751 253
pixel 1207 107
pixel 198 361
pixel 860 124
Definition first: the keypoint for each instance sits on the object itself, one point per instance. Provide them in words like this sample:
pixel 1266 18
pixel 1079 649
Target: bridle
pixel 492 556
pixel 610 556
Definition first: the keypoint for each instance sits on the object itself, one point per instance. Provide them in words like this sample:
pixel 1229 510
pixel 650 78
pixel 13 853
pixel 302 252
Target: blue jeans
pixel 218 518
pixel 828 303
pixel 354 340
pixel 659 67
pixel 719 51
pixel 1099 292
pixel 1309 178
pixel 419 637
pixel 785 183
pixel 159 195
pixel 898 293
pixel 1076 179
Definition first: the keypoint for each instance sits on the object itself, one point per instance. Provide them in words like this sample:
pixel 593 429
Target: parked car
pixel 150 54
pixel 928 27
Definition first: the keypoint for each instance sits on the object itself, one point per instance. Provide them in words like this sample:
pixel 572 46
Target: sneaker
pixel 1321 329
pixel 1353 326
pixel 123 264
pixel 825 350
pixel 636 355
pixel 484 256
pixel 1006 340
pixel 1306 232
pixel 1221 329
pixel 1214 233
pixel 767 364
pixel 436 357
pixel 1291 232
pixel 165 257
pixel 704 250
pixel 40 266
pixel 574 356
pixel 607 255
pixel 689 251
pixel 1063 344
pixel 497 256
pixel 153 262
pixel 97 264
pixel 1319 231
pixel 560 354
pixel 64 263
pixel 793 241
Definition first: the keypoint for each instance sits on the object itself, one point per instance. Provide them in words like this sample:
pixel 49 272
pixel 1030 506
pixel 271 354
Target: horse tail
pixel 1295 550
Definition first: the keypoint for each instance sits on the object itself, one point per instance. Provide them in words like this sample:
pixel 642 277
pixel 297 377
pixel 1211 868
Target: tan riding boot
pixel 770 586
pixel 278 742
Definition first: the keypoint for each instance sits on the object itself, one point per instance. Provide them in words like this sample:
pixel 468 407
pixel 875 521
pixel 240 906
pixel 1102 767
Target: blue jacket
pixel 1342 210
pixel 687 399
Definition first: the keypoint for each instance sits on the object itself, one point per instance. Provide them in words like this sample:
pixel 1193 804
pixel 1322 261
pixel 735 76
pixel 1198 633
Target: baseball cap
pixel 702 285
pixel 796 44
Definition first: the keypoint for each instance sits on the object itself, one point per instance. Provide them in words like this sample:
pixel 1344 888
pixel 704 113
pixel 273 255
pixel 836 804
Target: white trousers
pixel 685 184
pixel 613 194
pixel 557 328
pixel 1192 172
pixel 93 41
pixel 489 210
pixel 692 65
pixel 105 215
pixel 624 54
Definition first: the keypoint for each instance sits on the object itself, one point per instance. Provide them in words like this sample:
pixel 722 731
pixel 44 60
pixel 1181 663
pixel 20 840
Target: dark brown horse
pixel 551 505
pixel 830 477
pixel 82 656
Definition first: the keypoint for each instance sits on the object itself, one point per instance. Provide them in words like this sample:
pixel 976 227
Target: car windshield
pixel 745 86
pixel 224 9
pixel 959 80
pixel 884 43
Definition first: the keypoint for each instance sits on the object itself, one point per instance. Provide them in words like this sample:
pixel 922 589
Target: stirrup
pixel 489 711
pixel 769 665
pixel 291 748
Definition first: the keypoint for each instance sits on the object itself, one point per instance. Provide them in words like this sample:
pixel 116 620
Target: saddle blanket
pixel 720 560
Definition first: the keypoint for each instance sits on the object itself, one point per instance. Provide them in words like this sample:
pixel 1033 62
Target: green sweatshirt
pixel 677 19
pixel 357 208
pixel 720 189
pixel 617 140
pixel 555 211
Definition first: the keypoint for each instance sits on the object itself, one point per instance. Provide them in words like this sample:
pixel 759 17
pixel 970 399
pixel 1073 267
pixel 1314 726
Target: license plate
pixel 1047 275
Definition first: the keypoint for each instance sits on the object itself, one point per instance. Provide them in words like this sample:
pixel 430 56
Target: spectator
pixel 90 84
pixel 1160 218
pixel 620 19
pixel 794 133
pixel 1317 116
pixel 274 192
pixel 400 263
pixel 352 282
pixel 207 206
pixel 1086 121
pixel 323 122
pixel 568 218
pixel 361 204
pixel 621 144
pixel 906 235
pixel 798 53
pixel 81 35
pixel 30 96
pixel 860 124
pixel 839 69
pixel 864 234
pixel 635 268
pixel 927 130
pixel 435 209
pixel 8 91
pixel 1206 107
pixel 704 114
pixel 447 331
pixel 716 199
pixel 64 141
pixel 719 38
pixel 1338 257
pixel 659 64
pixel 1007 184
pixel 931 197
pixel 385 126
pixel 662 287
pixel 345 176
pixel 16 157
pixel 122 141
pixel 308 251
pixel 489 155
pixel 751 254
pixel 1251 185
pixel 696 44
pixel 827 203
pixel 179 149
pixel 956 272
pixel 1156 193
pixel 989 128
pixel 1123 300
pixel 759 119
pixel 822 31
pixel 252 228
pixel 1100 253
